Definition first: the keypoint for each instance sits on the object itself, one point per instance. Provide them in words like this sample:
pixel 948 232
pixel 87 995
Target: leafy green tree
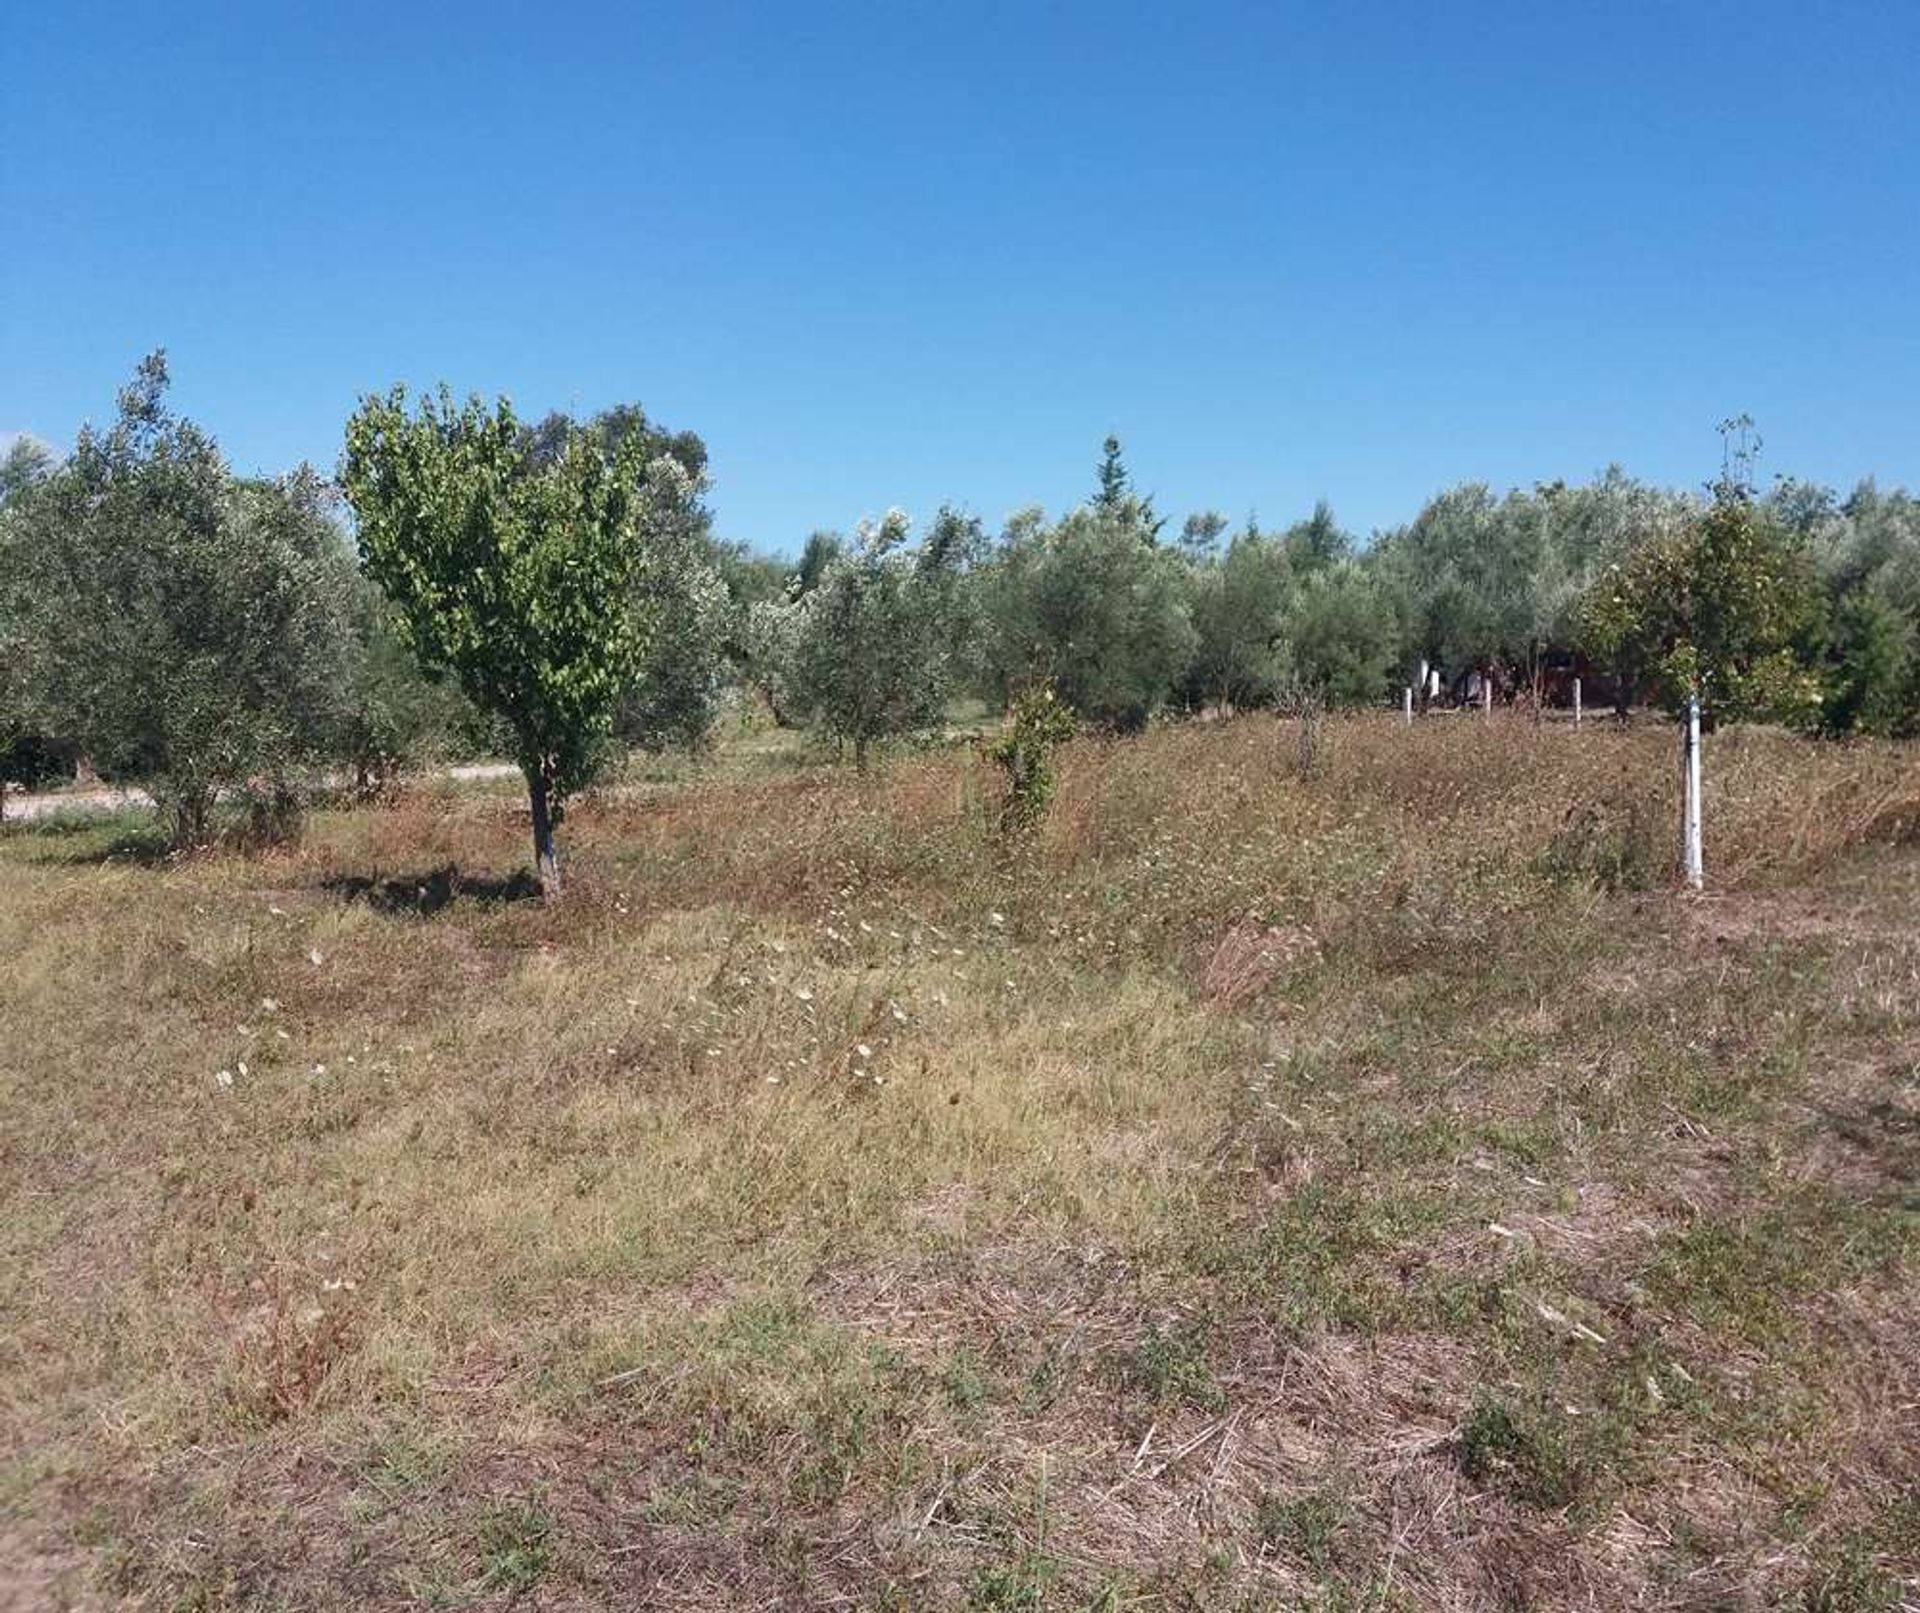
pixel 395 715
pixel 516 571
pixel 1113 485
pixel 1721 609
pixel 1239 605
pixel 1092 607
pixel 1340 638
pixel 1874 675
pixel 871 655
pixel 819 552
pixel 185 627
pixel 25 465
pixel 675 698
pixel 1867 554
pixel 26 462
pixel 1200 535
pixel 768 633
pixel 1038 724
pixel 1317 541
pixel 1115 499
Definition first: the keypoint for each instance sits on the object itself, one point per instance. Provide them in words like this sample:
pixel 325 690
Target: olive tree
pixel 517 570
pixel 1340 636
pixel 1091 606
pixel 870 653
pixel 23 467
pixel 1238 601
pixel 183 626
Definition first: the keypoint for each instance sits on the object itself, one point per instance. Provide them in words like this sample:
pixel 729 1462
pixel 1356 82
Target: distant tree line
pixel 553 591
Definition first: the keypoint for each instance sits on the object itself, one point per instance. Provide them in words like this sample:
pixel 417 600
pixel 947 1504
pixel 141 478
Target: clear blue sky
pixel 906 254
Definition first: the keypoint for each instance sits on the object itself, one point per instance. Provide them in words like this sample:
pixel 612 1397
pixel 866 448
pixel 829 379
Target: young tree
pixel 516 570
pixel 1720 609
pixel 871 654
pixel 186 628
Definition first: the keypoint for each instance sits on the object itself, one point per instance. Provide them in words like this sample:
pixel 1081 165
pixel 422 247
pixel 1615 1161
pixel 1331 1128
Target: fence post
pixel 1406 704
pixel 1576 702
pixel 1486 696
pixel 1696 872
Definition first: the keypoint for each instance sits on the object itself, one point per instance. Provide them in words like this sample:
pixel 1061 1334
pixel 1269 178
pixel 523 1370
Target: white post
pixel 1696 873
pixel 1406 704
pixel 1576 702
pixel 1486 696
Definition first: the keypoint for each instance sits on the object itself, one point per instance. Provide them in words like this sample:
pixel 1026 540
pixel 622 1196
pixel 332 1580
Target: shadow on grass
pixel 423 895
pixel 83 838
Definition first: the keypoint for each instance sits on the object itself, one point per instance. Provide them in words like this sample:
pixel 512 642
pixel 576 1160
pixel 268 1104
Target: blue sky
pixel 907 254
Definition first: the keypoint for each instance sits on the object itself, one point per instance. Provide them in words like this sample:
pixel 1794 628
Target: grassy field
pixel 1373 1189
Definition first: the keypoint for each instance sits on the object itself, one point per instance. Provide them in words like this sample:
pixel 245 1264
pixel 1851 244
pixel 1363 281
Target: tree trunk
pixel 190 819
pixel 546 858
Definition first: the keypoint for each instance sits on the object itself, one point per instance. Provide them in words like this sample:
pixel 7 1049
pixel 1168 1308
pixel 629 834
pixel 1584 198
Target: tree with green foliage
pixel 1238 602
pixel 1873 668
pixel 1339 637
pixel 1200 535
pixel 25 465
pixel 395 715
pixel 1317 541
pixel 1091 606
pixel 820 551
pixel 690 615
pixel 1720 609
pixel 1112 484
pixel 516 570
pixel 871 652
pixel 1115 499
pixel 1867 553
pixel 185 627
pixel 1036 726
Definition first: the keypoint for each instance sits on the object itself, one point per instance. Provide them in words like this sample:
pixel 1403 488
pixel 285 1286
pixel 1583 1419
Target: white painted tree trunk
pixel 1690 831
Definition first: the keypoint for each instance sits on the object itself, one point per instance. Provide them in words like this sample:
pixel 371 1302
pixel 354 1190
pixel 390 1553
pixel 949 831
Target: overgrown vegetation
pixel 1265 1190
pixel 555 592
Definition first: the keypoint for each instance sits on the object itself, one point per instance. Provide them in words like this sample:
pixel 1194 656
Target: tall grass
pixel 1371 1188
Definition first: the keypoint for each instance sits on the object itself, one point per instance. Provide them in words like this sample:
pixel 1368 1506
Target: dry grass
pixel 1371 1190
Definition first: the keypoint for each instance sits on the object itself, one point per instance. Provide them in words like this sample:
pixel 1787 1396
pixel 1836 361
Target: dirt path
pixel 111 798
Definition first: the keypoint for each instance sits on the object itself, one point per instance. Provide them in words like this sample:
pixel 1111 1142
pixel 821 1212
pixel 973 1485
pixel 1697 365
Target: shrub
pixel 1025 753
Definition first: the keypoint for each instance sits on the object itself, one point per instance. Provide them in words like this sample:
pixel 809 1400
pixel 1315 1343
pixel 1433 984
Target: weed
pixel 1309 1526
pixel 516 1548
pixel 1602 1196
pixel 1170 1367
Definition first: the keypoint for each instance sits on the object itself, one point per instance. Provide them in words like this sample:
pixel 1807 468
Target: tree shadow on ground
pixel 422 895
pixel 81 843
